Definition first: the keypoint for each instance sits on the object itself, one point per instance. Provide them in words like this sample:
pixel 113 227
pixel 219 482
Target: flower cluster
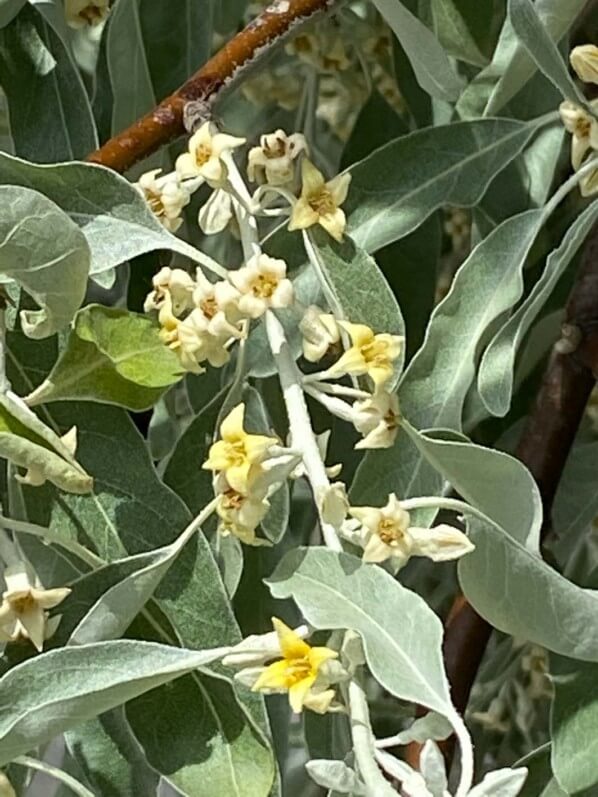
pixel 249 468
pixel 306 673
pixel 23 611
pixel 581 122
pixel 200 320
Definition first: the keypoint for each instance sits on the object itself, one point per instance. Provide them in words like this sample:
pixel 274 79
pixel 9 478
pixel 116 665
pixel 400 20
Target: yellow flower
pixel 370 354
pixel 297 671
pixel 584 60
pixel 22 612
pixel 238 455
pixel 319 202
pixel 203 158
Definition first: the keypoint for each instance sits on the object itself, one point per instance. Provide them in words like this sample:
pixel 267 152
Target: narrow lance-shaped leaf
pixel 47 254
pixel 112 356
pixel 536 40
pixel 398 186
pixel 55 691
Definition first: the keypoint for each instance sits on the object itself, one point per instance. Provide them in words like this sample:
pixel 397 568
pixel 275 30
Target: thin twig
pixel 544 446
pixel 165 122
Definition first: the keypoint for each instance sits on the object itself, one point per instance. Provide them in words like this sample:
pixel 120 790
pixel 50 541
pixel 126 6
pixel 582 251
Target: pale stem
pixel 363 743
pixel 302 434
pixel 250 238
pixel 341 390
pixel 74 785
pixel 8 550
pixel 334 405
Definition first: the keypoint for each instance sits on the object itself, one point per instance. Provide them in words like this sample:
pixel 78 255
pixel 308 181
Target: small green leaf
pixel 112 356
pixel 398 186
pixel 46 253
pixel 57 690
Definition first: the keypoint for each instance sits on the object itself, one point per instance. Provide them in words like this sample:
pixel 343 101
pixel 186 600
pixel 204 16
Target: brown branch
pixel 165 122
pixel 543 447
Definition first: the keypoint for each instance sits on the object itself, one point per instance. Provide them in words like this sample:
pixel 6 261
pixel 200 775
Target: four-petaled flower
pixel 583 128
pixel 273 161
pixel 165 196
pixel 386 534
pixel 238 454
pixel 23 609
pixel 584 60
pixel 377 419
pixel 297 671
pixel 369 354
pixel 320 202
pixel 320 332
pixel 204 155
pixel 262 283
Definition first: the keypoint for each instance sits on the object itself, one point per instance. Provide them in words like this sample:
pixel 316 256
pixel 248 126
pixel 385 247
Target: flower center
pixel 231 499
pixel 297 670
pixel 154 200
pixel 209 307
pixel 23 604
pixel 389 531
pixel 390 419
pixel 263 286
pixel 236 453
pixel 91 14
pixel 582 127
pixel 375 353
pixel 322 202
pixel 276 151
pixel 203 153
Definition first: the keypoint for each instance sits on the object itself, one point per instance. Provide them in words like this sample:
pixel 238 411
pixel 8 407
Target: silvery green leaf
pixel 496 372
pixel 573 726
pixel 430 62
pixel 536 40
pixel 553 789
pixel 111 213
pixel 461 465
pixel 335 775
pixel 576 501
pixel 336 590
pixel 453 32
pixel 360 290
pixel 489 282
pixel 30 444
pixel 512 67
pixel 9 9
pixel 46 253
pixel 228 553
pixel 398 186
pixel 540 160
pixel 430 726
pixel 111 356
pixel 518 593
pixel 126 56
pixel 500 783
pixel 37 72
pixel 433 768
pixel 59 689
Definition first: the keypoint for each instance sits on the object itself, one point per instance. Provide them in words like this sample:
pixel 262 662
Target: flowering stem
pixel 341 390
pixel 334 405
pixel 363 743
pixel 302 434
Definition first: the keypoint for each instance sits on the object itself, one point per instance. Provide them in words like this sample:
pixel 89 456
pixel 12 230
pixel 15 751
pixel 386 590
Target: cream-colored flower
pixel 219 303
pixel 23 612
pixel 386 534
pixel 323 50
pixel 256 649
pixel 165 196
pixel 584 60
pixel 204 155
pixel 320 201
pixel 6 789
pixel 262 284
pixel 297 672
pixel 238 455
pixel 83 13
pixel 588 185
pixel 215 214
pixel 320 333
pixel 273 161
pixel 369 354
pixel 583 128
pixel 240 515
pixel 176 282
pixel 377 419
pixel 36 476
pixel 333 504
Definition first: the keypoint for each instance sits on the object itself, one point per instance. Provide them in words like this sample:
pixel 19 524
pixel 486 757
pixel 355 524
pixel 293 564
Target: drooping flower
pixel 333 504
pixel 165 196
pixel 320 333
pixel 23 612
pixel 583 128
pixel 240 515
pixel 262 284
pixel 320 202
pixel 297 671
pixel 584 60
pixel 178 283
pixel 219 303
pixel 273 161
pixel 369 354
pixel 377 419
pixel 82 13
pixel 203 158
pixel 238 454
pixel 386 534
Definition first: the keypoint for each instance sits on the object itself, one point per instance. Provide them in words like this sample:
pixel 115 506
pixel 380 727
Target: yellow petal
pixel 334 224
pixel 312 179
pixel 275 676
pixel 302 216
pixel 238 477
pixel 231 427
pixel 351 362
pixel 380 374
pixel 256 446
pixel 360 334
pixel 48 598
pixel 218 457
pixel 317 657
pixel 291 645
pixel 298 693
pixel 339 187
pixel 34 622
